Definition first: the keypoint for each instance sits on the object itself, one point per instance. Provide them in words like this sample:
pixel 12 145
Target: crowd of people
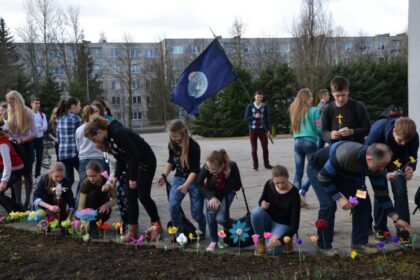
pixel 116 166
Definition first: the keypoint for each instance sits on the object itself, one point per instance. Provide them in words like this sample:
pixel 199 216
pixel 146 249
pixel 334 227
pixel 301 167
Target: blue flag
pixel 210 72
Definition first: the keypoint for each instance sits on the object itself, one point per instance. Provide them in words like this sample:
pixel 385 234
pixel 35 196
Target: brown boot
pixel 133 230
pixel 289 247
pixel 260 250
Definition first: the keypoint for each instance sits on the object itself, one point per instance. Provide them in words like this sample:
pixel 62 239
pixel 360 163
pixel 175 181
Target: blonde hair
pixel 56 166
pixel 53 117
pixel 179 127
pixel 218 157
pixel 299 107
pixel 22 114
pixel 87 111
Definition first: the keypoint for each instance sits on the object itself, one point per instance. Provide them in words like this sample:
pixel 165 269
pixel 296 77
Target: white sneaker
pixel 367 249
pixel 328 252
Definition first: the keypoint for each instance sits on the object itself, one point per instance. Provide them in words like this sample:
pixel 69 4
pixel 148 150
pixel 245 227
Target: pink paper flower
pixel 255 239
pixel 267 235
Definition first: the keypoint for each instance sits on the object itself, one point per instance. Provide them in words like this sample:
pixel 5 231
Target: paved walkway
pixel 281 152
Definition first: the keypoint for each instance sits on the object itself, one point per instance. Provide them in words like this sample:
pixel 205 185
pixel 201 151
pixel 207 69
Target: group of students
pixel 97 142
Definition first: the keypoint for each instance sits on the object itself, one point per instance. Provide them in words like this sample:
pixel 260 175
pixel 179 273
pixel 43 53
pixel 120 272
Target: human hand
pixel 257 115
pixel 132 184
pixel 3 186
pixel 265 204
pixel 402 225
pixel 183 188
pixel 344 204
pixel 104 208
pixel 54 208
pixel 408 173
pixel 227 170
pixel 213 203
pixel 345 131
pixel 161 181
pixel 274 242
pixel 391 176
pixel 335 135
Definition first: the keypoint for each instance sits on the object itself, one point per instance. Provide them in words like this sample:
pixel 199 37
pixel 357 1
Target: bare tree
pixel 310 49
pixel 237 31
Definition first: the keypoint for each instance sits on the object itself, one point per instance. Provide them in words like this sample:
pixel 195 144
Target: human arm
pixel 234 178
pixel 44 122
pixel 7 166
pixel 326 123
pixel 294 216
pixel 166 170
pixel 203 183
pixel 364 122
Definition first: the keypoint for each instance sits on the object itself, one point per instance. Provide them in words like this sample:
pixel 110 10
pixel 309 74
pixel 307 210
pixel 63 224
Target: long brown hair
pixel 178 127
pixel 94 125
pixel 299 107
pixel 218 157
pixel 56 166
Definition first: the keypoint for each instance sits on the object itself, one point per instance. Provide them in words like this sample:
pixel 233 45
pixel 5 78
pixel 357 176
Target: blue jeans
pixel 399 189
pixel 303 148
pixel 82 173
pixel 261 222
pixel 328 207
pixel 219 215
pixel 196 202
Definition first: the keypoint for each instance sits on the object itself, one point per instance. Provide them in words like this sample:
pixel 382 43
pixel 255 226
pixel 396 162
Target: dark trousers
pixel 142 193
pixel 71 164
pixel 38 144
pixel 8 203
pixel 262 135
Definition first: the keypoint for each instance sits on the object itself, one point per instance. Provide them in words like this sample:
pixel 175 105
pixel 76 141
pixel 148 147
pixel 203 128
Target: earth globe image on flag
pixel 197 84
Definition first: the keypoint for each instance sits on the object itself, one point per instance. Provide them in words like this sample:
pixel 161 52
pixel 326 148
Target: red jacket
pixel 15 158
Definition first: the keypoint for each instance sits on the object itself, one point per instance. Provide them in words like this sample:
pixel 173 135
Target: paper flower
pixel 58 189
pixel 353 254
pixel 221 233
pixel 298 241
pixel 87 214
pixel 36 216
pixel 267 235
pixel 286 239
pixel 220 245
pixel 136 242
pixel 172 230
pixel 255 238
pixel 182 239
pixel 105 174
pixel 106 226
pixel 412 159
pixel 239 231
pixel 387 233
pixel 85 237
pixel 395 239
pixel 191 236
pixel 313 238
pixel 353 201
pixel 42 225
pixel 321 224
pixel 380 246
pixel 116 225
pixel 99 223
pixel 76 224
pixel 14 215
pixel 54 224
pixel 397 163
pixel 65 223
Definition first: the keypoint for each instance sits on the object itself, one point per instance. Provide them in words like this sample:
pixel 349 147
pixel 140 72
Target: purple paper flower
pixel 380 246
pixel 353 201
pixel 395 239
pixel 298 241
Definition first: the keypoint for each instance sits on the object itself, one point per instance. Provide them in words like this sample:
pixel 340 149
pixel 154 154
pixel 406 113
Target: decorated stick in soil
pixel 380 247
pixel 172 232
pixel 191 237
pixel 395 239
pixel 182 240
pixel 221 233
pixel 105 227
pixel 198 233
pixel 353 255
pixel 99 225
pixel 413 241
pixel 58 189
pixel 116 226
pixel 322 225
pixel 136 242
pixel 299 244
pixel 239 232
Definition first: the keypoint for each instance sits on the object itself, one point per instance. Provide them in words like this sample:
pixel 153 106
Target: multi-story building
pixel 124 67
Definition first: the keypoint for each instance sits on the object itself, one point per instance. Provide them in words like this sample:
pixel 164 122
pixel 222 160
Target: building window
pixel 136 99
pixel 135 69
pixel 119 116
pixel 135 84
pixel 134 53
pixel 263 49
pixel 136 116
pixel 247 49
pixel 349 46
pixel 115 100
pixel 381 46
pixel 115 85
pixel 96 51
pixel 248 65
pixel 176 50
pixel 284 48
pixel 58 71
pixel 97 67
pixel 114 69
pixel 114 53
pixel 194 49
pixel 149 52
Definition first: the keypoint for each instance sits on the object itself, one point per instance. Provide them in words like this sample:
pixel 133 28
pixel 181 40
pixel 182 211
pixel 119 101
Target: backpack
pixel 392 112
pixel 417 200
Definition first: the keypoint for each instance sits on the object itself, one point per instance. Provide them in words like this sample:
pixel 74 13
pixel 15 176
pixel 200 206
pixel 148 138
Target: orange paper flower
pixel 221 233
pixel 313 238
pixel 286 239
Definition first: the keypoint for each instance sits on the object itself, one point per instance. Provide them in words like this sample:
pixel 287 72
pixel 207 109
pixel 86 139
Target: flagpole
pixel 238 78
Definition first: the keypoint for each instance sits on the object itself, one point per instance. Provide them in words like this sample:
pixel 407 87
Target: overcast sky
pixel 149 20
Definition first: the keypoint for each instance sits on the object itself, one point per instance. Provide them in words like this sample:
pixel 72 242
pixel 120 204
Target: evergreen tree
pixel 9 67
pixel 50 94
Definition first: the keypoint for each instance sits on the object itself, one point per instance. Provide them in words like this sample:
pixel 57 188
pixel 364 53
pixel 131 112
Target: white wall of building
pixel 414 61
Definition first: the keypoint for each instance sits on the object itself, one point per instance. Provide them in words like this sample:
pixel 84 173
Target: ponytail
pixel 64 105
pixel 218 157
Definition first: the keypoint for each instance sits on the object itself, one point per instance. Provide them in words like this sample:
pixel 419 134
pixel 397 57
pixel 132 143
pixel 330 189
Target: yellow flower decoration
pixel 313 238
pixel 286 239
pixel 191 236
pixel 65 223
pixel 353 254
pixel 116 225
pixel 412 159
pixel 172 230
pixel 54 224
pixel 397 163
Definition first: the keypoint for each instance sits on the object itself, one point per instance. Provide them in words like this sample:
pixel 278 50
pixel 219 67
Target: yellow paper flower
pixel 286 239
pixel 116 225
pixel 172 230
pixel 313 238
pixel 14 215
pixel 412 159
pixel 397 163
pixel 65 223
pixel 353 254
pixel 191 236
pixel 54 224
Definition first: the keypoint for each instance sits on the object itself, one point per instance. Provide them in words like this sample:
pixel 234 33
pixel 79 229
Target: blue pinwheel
pixel 239 232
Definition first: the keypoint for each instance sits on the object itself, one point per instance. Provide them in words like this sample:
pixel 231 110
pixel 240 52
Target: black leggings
pixel 5 201
pixel 142 193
